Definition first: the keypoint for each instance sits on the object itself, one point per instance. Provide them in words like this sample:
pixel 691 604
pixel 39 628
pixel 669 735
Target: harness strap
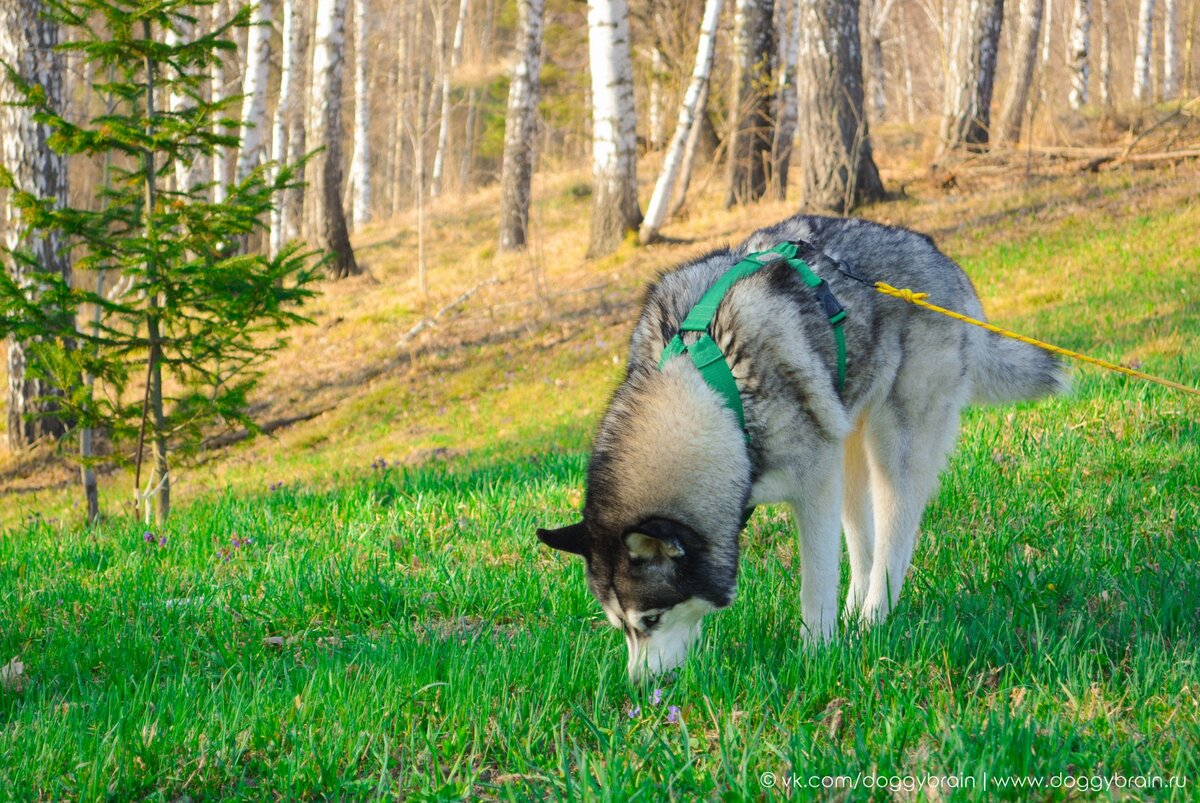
pixel 707 355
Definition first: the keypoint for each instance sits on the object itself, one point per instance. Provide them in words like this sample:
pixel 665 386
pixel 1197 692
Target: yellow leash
pixel 919 300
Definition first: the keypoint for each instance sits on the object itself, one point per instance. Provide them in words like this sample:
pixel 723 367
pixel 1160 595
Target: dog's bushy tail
pixel 1007 370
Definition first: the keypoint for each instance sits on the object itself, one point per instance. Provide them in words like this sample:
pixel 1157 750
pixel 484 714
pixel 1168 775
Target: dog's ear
pixel 657 538
pixel 573 538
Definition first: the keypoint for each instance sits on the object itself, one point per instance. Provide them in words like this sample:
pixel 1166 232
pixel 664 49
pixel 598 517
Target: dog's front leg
pixel 817 508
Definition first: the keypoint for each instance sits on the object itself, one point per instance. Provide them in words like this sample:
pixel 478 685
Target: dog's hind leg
pixel 816 507
pixel 907 442
pixel 857 521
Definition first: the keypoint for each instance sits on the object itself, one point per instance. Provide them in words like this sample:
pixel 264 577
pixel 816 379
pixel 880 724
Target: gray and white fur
pixel 672 476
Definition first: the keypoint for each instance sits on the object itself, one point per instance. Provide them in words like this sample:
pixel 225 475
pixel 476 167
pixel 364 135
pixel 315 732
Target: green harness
pixel 707 355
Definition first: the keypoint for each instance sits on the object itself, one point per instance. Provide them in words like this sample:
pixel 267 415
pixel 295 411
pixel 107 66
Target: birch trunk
pixel 285 123
pixel 1170 74
pixel 404 83
pixel 1145 44
pixel 220 172
pixel 187 174
pixel 838 168
pixel 966 109
pixel 439 157
pixel 1081 25
pixel 1105 53
pixel 695 135
pixel 254 89
pixel 614 127
pixel 1020 78
pixel 877 14
pixel 27 42
pixel 360 164
pixel 753 119
pixel 520 128
pixel 786 100
pixel 327 220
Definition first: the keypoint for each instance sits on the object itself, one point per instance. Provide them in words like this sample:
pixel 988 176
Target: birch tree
pixel 360 164
pixel 752 126
pixel 615 208
pixel 286 139
pixel 1021 66
pixel 27 45
pixel 187 174
pixel 689 110
pixel 1170 73
pixel 966 107
pixel 1105 53
pixel 326 220
pixel 877 14
pixel 838 168
pixel 439 156
pixel 1081 25
pixel 220 170
pixel 786 98
pixel 520 127
pixel 254 90
pixel 1145 43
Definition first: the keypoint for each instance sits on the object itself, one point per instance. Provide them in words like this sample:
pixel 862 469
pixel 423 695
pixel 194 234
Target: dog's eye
pixel 650 621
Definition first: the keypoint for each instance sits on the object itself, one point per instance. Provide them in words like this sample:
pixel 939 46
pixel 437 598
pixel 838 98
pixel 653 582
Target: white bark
pixel 439 158
pixel 186 175
pixel 520 127
pixel 787 99
pixel 27 42
pixel 1022 61
pixel 1047 27
pixel 326 219
pixel 360 164
pixel 1106 52
pixel 285 122
pixel 1145 43
pixel 220 172
pixel 254 89
pixel 1081 25
pixel 689 109
pixel 1170 74
pixel 614 126
pixel 966 111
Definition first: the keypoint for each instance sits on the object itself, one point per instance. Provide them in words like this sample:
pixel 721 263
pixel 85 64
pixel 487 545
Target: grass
pixel 318 626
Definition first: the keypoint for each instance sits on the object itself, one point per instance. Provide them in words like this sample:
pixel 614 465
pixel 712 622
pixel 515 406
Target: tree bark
pixel 327 220
pixel 186 175
pixel 1170 74
pixel 966 110
pixel 520 128
pixel 615 208
pixel 285 122
pixel 27 42
pixel 752 126
pixel 254 89
pixel 1081 25
pixel 1020 77
pixel 439 157
pixel 787 100
pixel 689 109
pixel 838 168
pixel 1145 44
pixel 1106 53
pixel 360 164
pixel 220 171
pixel 694 137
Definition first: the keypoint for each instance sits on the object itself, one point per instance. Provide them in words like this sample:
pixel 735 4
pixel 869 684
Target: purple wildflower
pixel 656 697
pixel 635 712
pixel 162 540
pixel 148 537
pixel 236 543
pixel 276 486
pixel 672 714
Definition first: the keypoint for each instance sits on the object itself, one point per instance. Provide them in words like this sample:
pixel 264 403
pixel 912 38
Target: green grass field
pixel 398 630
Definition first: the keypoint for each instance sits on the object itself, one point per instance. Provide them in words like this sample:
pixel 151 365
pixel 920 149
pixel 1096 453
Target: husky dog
pixel 673 476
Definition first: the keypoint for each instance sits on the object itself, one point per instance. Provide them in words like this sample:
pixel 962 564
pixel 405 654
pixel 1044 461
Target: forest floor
pixel 357 604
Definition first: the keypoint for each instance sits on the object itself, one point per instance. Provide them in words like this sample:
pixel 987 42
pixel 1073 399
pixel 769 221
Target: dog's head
pixel 667 486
